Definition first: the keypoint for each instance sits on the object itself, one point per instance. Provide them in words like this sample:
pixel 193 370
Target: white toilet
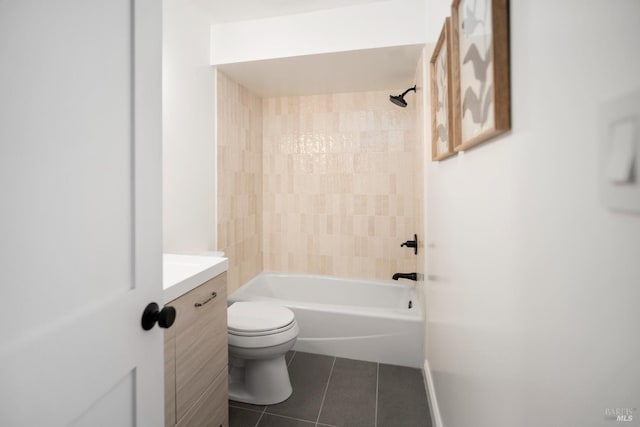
pixel 259 336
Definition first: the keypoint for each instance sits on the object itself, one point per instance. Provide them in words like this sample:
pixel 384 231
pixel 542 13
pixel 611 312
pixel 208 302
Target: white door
pixel 80 212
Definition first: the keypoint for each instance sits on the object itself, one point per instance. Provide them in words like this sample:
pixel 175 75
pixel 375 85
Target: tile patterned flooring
pixel 335 392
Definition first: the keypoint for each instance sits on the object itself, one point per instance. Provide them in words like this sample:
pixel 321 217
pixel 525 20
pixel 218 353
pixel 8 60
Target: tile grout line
pixel 375 419
pixel 245 409
pixel 261 415
pixel 326 388
pixel 292 356
pixel 296 419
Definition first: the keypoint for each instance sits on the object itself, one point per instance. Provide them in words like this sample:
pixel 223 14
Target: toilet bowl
pixel 259 336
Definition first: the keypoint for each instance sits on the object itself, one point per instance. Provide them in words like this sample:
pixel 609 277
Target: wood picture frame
pixel 481 74
pixel 442 131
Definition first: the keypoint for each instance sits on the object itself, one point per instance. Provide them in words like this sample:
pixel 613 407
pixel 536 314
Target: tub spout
pixel 410 276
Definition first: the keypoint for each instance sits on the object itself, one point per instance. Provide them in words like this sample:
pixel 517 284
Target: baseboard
pixel 431 393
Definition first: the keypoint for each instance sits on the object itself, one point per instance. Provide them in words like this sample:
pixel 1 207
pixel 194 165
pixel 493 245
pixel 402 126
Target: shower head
pixel 399 99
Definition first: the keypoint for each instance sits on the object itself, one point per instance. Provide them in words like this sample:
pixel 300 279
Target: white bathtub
pixel 357 319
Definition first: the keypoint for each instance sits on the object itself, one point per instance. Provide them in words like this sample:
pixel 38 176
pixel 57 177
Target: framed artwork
pixel 480 54
pixel 442 134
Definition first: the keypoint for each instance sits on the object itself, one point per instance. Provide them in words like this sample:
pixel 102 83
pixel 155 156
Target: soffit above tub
pixel 352 71
pixel 222 11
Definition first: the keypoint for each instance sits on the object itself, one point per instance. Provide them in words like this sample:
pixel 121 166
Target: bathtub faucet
pixel 410 276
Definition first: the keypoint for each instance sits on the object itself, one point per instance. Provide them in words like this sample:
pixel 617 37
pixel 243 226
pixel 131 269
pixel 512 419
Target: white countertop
pixel 182 273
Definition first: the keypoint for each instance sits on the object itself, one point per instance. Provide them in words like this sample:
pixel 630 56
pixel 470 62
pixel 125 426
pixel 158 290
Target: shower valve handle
pixel 412 244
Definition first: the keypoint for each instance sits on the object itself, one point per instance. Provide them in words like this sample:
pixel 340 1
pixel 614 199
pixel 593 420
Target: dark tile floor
pixel 335 392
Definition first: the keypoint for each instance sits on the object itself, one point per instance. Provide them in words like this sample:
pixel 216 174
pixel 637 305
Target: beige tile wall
pixel 339 184
pixel 239 134
pixel 419 159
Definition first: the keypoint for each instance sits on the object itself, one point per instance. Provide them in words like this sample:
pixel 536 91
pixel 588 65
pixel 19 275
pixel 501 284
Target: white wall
pixel 373 25
pixel 533 318
pixel 188 129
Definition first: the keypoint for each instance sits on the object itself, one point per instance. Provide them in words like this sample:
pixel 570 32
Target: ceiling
pixel 352 71
pixel 241 10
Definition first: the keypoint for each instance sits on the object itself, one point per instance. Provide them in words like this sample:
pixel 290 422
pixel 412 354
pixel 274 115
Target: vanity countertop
pixel 182 273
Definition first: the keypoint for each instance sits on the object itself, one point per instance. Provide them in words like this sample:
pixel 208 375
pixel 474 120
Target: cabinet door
pixel 170 377
pixel 211 410
pixel 200 341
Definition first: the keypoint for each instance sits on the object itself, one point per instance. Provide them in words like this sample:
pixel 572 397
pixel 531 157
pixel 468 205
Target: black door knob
pixel 153 314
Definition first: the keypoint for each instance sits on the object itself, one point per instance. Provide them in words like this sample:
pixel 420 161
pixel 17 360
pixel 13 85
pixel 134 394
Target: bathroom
pixel 530 279
pixel 320 175
pixel 493 218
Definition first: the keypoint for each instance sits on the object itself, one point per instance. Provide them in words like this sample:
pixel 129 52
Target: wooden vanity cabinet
pixel 196 385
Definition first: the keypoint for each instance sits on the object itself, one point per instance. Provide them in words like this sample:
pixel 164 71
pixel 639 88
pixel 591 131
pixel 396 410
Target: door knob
pixel 153 314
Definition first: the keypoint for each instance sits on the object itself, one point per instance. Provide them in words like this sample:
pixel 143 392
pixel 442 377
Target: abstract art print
pixel 480 55
pixel 442 133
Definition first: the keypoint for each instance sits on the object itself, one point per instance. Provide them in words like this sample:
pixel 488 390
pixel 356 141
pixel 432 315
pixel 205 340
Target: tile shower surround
pixel 239 180
pixel 321 184
pixel 338 185
pixel 419 162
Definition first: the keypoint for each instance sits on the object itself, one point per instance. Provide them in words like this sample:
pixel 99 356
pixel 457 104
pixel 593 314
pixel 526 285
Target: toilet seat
pixel 260 325
pixel 249 318
pixel 261 333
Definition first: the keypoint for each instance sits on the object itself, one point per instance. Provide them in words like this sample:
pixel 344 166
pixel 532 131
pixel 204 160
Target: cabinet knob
pixel 153 314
